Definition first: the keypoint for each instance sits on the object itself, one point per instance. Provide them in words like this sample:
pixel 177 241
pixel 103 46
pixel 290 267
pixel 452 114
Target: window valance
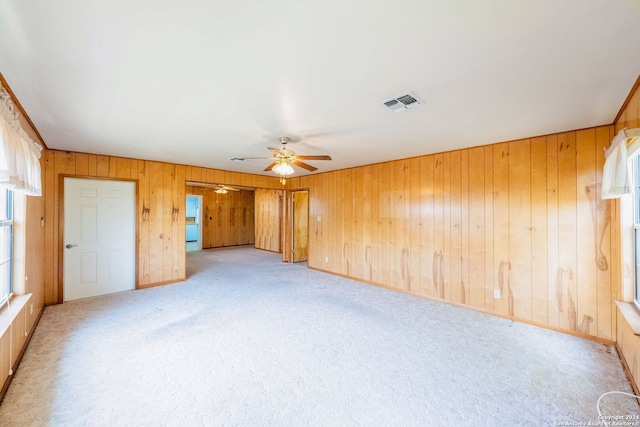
pixel 19 155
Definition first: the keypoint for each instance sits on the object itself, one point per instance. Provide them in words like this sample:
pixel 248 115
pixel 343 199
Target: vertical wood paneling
pixel 91 165
pixel 489 263
pixel 476 220
pixel 427 244
pixel 464 256
pixel 520 227
pixel 144 270
pixel 446 252
pixel 554 273
pixel 50 187
pixel 401 223
pixel 415 227
pixel 113 167
pixel 504 217
pixel 82 164
pixel 501 250
pixel 345 221
pixel 357 247
pixel 336 242
pixel 456 228
pixel 102 166
pixel 566 287
pixel 300 220
pixel 168 219
pixel 605 307
pixel 539 266
pixel 267 219
pixel 438 246
pixel 64 165
pixel 385 214
pixel 367 226
pixel 376 224
pixel 396 233
pixel 587 239
pixel 179 191
pixel 123 168
pixel 157 215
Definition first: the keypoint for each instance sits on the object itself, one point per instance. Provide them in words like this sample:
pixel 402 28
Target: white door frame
pixel 61 218
pixel 199 220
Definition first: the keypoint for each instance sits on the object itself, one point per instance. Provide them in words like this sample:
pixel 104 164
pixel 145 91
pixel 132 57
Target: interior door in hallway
pixel 300 225
pixel 99 237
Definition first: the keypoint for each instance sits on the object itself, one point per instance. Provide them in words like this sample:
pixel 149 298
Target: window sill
pixel 8 314
pixel 630 314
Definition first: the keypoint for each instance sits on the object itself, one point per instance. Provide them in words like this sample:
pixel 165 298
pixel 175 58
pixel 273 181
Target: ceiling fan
pixel 218 188
pixel 224 189
pixel 283 159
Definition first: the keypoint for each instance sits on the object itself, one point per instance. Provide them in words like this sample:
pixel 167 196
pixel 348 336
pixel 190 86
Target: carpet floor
pixel 249 340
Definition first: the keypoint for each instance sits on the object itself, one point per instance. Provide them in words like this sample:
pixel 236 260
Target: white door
pixel 99 237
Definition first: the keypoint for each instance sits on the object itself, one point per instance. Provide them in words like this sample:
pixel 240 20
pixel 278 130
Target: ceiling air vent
pixel 403 102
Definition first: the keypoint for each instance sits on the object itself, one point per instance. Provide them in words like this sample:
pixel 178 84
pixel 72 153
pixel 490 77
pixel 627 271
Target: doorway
pixel 99 237
pixel 300 224
pixel 194 223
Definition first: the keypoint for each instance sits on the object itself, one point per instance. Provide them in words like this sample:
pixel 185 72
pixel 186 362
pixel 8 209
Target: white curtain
pixel 615 177
pixel 19 155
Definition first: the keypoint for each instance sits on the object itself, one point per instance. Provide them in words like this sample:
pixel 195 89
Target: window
pixel 6 241
pixel 635 182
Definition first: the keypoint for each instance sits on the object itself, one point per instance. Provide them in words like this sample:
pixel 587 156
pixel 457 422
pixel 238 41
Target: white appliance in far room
pixel 194 241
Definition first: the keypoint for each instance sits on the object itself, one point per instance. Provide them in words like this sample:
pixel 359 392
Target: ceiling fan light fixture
pixel 283 168
pixel 220 190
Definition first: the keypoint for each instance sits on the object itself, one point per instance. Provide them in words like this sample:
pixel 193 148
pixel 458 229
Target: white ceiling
pixel 201 81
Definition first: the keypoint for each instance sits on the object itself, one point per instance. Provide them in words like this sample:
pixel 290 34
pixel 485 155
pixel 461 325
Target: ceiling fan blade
pixel 305 166
pixel 277 151
pixel 268 168
pixel 230 188
pixel 314 157
pixel 242 159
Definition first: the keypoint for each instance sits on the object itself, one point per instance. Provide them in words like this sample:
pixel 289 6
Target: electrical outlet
pixel 496 293
pixel 326 259
pixel 318 218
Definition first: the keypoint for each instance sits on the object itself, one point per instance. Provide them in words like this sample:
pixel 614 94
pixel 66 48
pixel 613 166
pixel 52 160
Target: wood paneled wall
pixel 159 214
pixel 520 218
pixel 227 219
pixel 630 115
pixel 161 204
pixel 31 213
pixel 627 341
pixel 18 323
pixel 16 327
pixel 269 205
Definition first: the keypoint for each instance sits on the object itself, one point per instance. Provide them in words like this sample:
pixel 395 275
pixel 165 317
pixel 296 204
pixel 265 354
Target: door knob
pixel 69 246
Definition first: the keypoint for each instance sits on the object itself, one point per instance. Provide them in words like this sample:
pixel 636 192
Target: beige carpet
pixel 249 340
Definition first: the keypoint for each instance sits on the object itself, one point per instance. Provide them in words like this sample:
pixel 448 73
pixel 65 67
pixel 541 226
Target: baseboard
pixel 166 282
pixel 480 310
pixel 6 384
pixel 627 371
